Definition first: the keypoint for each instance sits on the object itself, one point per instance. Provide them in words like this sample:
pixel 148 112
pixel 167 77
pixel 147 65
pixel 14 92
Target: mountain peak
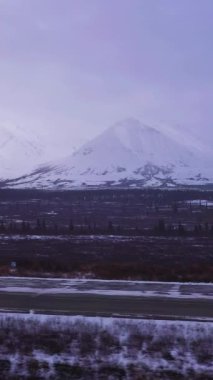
pixel 127 153
pixel 127 123
pixel 131 125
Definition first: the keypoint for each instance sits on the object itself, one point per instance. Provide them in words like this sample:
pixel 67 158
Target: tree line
pixel 161 228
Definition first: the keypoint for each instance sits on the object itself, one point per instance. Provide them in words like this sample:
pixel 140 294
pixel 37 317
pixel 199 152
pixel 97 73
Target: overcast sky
pixel 70 68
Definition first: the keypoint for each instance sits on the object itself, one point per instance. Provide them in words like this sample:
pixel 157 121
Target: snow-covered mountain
pixel 129 153
pixel 19 152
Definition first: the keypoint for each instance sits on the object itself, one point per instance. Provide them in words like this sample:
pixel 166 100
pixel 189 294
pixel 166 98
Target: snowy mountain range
pixel 127 154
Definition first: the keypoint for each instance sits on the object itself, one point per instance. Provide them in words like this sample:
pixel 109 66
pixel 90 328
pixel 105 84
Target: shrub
pixel 5 366
pixel 33 366
pixel 66 371
pixel 111 372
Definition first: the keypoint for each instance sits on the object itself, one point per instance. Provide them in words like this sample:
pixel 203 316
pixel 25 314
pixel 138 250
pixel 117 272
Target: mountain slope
pixel 19 153
pixel 129 153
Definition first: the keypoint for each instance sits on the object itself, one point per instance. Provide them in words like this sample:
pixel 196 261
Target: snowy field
pixel 103 287
pixel 47 347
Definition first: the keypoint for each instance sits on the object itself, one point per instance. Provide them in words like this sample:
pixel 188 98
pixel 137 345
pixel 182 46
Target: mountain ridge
pixel 126 154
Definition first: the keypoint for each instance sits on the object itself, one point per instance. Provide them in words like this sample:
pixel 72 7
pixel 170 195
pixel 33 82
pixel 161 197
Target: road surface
pixel 105 305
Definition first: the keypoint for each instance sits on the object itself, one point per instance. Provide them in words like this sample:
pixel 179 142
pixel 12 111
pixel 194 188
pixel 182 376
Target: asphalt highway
pixel 104 305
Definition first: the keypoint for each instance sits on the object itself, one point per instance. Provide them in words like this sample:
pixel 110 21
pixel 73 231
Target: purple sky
pixel 70 68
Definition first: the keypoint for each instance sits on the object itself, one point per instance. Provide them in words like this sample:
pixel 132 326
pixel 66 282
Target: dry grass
pixel 69 348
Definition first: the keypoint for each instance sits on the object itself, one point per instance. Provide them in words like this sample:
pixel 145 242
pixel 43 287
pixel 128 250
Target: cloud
pixel 72 68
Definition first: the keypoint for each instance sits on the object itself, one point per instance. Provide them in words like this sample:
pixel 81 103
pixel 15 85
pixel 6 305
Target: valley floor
pixel 144 257
pixel 141 234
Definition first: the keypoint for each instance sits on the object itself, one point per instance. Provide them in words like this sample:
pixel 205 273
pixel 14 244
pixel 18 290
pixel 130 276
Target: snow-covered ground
pixel 119 238
pixel 200 202
pixel 104 348
pixel 106 287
